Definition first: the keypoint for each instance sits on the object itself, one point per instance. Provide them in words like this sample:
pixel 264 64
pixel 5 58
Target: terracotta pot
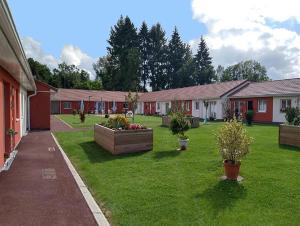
pixel 231 169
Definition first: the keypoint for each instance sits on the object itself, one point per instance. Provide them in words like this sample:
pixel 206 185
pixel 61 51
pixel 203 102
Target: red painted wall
pixel 40 108
pixel 149 108
pixel 9 113
pixel 185 103
pixel 258 116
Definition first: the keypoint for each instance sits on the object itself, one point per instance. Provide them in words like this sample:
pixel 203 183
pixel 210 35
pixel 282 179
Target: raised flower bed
pixel 289 135
pixel 124 139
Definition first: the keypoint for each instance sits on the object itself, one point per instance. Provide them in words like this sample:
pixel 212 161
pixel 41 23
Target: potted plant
pixel 82 116
pixel 233 142
pixel 249 117
pixel 179 125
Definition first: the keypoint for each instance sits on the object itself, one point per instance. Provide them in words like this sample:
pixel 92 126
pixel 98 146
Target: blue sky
pixel 75 32
pixel 87 23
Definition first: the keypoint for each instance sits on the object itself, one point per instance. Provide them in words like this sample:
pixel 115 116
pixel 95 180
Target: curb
pixel 95 209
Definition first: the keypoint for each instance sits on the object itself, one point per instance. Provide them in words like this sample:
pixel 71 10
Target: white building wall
pixel 23 111
pixel 280 116
pixel 201 113
pixel 140 108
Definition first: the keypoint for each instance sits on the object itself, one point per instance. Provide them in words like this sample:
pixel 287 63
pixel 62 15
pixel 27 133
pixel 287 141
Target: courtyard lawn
pixel 168 187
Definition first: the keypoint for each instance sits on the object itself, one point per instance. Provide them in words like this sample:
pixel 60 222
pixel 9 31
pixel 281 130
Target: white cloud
pixel 69 54
pixel 240 30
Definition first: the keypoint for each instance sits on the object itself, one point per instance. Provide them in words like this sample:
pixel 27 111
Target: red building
pixel 15 81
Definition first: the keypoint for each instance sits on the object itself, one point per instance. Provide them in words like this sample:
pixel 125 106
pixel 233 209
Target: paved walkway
pixel 39 188
pixel 58 125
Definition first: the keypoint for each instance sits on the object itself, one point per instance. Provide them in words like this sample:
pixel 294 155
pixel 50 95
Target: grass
pixel 168 187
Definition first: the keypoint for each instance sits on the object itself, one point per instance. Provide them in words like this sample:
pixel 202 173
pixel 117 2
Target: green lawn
pixel 168 187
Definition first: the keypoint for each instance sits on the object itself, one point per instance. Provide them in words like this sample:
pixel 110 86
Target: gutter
pixel 28 108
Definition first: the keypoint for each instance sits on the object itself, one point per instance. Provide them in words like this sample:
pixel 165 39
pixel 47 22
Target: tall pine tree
pixel 157 58
pixel 176 59
pixel 144 46
pixel 124 56
pixel 204 71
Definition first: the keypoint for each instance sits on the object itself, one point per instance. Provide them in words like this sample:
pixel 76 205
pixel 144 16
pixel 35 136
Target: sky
pixel 76 32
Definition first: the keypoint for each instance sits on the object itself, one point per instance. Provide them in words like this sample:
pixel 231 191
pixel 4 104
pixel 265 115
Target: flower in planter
pixel 233 142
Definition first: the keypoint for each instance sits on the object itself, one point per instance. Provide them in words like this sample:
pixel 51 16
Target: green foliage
pixel 179 125
pixel 117 122
pixel 233 141
pixel 204 71
pixel 41 71
pixel 250 70
pixel 74 112
pixel 292 116
pixel 11 132
pixel 249 117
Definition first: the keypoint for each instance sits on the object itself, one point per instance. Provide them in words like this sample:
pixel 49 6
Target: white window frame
pixel 282 109
pixel 187 105
pixel 69 103
pixel 264 109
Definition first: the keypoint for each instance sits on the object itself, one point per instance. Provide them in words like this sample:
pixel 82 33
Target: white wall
pixel 140 108
pixel 280 116
pixel 202 110
pixel 23 111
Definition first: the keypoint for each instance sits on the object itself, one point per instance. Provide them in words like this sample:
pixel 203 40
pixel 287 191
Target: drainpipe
pixel 28 108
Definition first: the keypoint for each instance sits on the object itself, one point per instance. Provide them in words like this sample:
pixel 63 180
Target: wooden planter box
pixel 194 121
pixel 165 121
pixel 123 141
pixel 289 135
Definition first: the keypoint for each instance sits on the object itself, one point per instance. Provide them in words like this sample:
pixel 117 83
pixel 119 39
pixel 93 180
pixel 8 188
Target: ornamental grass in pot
pixel 233 142
pixel 179 125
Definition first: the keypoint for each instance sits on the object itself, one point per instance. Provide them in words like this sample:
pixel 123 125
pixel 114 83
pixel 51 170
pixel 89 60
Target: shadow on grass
pixel 223 195
pixel 288 147
pixel 97 154
pixel 166 154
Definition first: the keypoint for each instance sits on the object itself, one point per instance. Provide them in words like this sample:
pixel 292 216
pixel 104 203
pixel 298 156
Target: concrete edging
pixel 95 209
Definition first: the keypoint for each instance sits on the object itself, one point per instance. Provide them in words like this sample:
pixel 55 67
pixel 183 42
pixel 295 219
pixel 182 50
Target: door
pixel 250 105
pixel 2 124
pixel 54 107
pixel 23 109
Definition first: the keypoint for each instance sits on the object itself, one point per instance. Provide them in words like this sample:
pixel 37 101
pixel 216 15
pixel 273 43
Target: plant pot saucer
pixel 239 179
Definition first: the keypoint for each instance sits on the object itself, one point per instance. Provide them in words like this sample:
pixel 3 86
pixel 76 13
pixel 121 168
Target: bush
pixel 118 122
pixel 249 117
pixel 179 125
pixel 82 116
pixel 74 112
pixel 292 116
pixel 233 141
pixel 106 116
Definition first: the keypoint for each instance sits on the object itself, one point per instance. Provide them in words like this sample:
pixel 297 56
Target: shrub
pixel 106 116
pixel 82 116
pixel 118 122
pixel 292 116
pixel 233 141
pixel 74 112
pixel 249 117
pixel 179 125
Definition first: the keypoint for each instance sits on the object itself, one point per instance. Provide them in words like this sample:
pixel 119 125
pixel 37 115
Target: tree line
pixel 139 59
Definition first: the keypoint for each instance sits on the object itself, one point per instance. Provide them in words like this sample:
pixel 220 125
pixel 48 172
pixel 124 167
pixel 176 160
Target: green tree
pixel 157 58
pixel 204 72
pixel 103 74
pixel 187 70
pixel 250 70
pixel 40 71
pixel 144 42
pixel 123 60
pixel 176 59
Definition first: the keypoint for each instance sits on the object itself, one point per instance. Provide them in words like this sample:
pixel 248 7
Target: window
pixel 298 103
pixel 67 105
pixel 262 105
pixel 187 105
pixel 158 106
pixel 284 104
pixel 197 105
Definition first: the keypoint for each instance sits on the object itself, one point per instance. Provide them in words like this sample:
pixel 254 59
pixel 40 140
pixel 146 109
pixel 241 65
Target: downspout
pixel 28 108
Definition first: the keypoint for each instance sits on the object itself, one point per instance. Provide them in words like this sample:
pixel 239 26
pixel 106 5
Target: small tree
pixel 132 101
pixel 179 125
pixel 82 116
